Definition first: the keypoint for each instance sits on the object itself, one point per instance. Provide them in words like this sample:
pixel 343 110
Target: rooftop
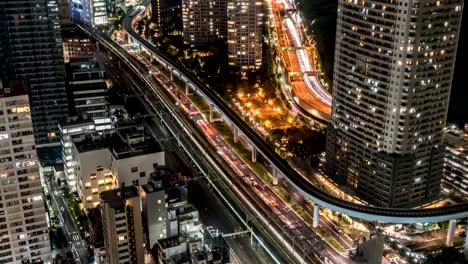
pixel 171 241
pixel 124 142
pixel 457 139
pixel 116 198
pixel 10 88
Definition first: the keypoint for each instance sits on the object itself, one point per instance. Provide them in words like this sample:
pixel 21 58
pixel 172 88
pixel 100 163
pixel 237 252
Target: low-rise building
pixel 123 230
pixel 103 161
pixel 74 127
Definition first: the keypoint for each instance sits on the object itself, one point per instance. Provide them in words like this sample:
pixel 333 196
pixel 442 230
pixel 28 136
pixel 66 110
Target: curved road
pixel 368 213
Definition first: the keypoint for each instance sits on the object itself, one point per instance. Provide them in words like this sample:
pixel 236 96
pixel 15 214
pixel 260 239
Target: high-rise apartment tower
pixel 24 230
pixel 394 62
pixel 245 28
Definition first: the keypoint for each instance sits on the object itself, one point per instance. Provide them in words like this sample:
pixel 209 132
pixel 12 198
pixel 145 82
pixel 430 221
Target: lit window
pixel 89 199
pixel 51 134
pixel 88 184
pixel 3 136
pixel 121 238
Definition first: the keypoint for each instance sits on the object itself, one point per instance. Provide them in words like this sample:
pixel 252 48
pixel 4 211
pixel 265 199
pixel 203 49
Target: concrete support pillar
pixel 274 174
pixel 315 220
pixel 187 88
pixel 119 64
pixel 211 113
pixel 254 154
pixel 451 233
pixel 171 74
pixel 465 246
pixel 97 46
pixel 236 134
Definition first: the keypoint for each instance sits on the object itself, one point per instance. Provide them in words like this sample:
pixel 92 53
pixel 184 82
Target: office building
pixel 455 179
pixel 31 50
pixel 89 88
pixel 122 226
pixel 64 11
pixel 104 161
pixel 77 44
pixel 24 228
pixel 204 21
pixel 91 12
pixel 393 70
pixel 245 29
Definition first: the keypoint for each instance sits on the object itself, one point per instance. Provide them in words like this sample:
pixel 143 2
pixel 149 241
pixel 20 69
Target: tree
pixel 449 255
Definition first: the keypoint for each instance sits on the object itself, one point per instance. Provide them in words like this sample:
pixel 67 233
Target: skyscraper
pixel 31 51
pixel 24 230
pixel 393 70
pixel 245 27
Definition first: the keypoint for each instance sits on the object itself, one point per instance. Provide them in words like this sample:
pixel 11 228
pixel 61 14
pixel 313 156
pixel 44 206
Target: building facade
pixel 24 229
pixel 245 29
pixel 167 14
pixel 91 12
pixel 31 50
pixel 73 127
pixel 77 44
pixel 393 70
pixel 104 161
pixel 455 180
pixel 204 21
pixel 123 230
pixel 89 88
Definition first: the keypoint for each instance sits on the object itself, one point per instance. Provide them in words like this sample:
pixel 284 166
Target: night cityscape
pixel 233 131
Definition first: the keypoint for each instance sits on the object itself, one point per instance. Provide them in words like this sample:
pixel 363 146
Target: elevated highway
pixel 281 169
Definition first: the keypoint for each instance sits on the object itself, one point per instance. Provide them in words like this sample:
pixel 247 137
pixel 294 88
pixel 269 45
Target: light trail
pixel 312 82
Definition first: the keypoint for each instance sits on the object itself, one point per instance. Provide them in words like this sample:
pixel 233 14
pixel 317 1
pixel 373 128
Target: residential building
pixel 75 127
pixel 123 230
pixel 455 179
pixel 24 229
pixel 31 50
pixel 89 88
pixel 245 29
pixel 204 21
pixel 166 211
pixel 167 14
pixel 393 71
pixel 77 44
pixel 154 211
pixel 103 161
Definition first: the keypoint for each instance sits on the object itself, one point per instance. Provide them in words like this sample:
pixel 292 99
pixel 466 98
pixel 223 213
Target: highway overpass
pixel 281 168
